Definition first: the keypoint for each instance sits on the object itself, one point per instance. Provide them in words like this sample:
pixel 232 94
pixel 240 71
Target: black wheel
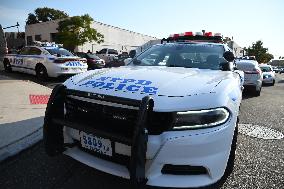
pixel 256 92
pixel 7 65
pixel 231 160
pixel 272 84
pixel 41 73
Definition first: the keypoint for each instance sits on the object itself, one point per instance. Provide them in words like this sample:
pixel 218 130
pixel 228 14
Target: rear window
pixel 265 69
pixel 112 51
pixel 245 66
pixel 93 56
pixel 59 51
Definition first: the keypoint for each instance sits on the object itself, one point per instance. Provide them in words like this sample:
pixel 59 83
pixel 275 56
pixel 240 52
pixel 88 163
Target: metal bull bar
pixel 139 145
pixel 54 141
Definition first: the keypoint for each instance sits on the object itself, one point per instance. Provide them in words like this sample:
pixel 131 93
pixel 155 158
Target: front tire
pixel 231 160
pixel 7 66
pixel 257 92
pixel 41 73
pixel 272 84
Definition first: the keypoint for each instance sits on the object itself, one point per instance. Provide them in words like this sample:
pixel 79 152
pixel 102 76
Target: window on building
pixel 38 37
pixel 53 37
pixel 29 40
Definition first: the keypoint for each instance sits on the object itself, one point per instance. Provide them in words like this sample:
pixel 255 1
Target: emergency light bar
pixel 198 36
pixel 46 44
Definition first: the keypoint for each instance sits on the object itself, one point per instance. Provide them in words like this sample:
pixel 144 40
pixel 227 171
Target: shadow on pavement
pixel 19 135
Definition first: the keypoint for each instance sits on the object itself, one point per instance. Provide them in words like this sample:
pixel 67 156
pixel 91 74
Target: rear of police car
pixel 167 119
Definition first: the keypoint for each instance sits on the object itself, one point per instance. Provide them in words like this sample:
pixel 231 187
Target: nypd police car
pixel 168 118
pixel 45 60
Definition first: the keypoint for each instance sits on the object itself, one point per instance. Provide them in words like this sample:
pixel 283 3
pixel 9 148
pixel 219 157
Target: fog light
pixel 183 170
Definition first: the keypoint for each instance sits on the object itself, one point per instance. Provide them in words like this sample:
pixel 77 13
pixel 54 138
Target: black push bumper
pixel 53 132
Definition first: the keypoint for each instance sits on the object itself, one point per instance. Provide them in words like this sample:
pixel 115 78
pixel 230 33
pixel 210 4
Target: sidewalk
pixel 21 114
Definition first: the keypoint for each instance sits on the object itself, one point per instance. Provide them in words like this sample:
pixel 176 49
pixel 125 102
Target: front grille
pixel 115 120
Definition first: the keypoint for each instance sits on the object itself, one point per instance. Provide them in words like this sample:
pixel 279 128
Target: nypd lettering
pixel 121 84
pixel 73 64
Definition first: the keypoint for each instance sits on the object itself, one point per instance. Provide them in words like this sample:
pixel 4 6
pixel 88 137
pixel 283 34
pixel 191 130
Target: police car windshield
pixel 59 51
pixel 188 55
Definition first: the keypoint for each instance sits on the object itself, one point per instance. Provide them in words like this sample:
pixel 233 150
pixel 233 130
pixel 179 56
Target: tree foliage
pixel 45 14
pixel 76 31
pixel 261 54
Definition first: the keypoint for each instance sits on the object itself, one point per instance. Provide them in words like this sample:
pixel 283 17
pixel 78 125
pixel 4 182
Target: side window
pixel 34 51
pixel 103 51
pixel 25 51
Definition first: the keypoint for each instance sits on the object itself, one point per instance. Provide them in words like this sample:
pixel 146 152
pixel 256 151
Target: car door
pixel 19 62
pixel 34 56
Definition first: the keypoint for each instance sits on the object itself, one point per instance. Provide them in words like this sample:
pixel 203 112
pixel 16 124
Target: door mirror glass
pixel 229 56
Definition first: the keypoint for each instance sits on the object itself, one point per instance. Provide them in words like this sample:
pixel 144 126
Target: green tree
pixel 45 14
pixel 76 31
pixel 261 54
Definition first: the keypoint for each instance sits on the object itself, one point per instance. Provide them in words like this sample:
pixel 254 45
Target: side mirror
pixel 132 53
pixel 229 56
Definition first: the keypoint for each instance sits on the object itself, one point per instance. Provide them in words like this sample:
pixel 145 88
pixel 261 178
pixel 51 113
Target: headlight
pixel 201 118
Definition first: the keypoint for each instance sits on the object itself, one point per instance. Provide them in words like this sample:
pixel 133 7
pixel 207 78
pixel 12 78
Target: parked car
pixel 252 75
pixel 119 61
pixel 93 61
pixel 45 60
pixel 276 69
pixel 268 74
pixel 281 70
pixel 107 54
pixel 168 122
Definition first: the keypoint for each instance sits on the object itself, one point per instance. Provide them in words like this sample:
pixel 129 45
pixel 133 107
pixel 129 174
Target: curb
pixel 21 144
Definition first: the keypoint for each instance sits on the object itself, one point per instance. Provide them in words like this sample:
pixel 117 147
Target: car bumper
pixel 268 80
pixel 207 148
pixel 59 70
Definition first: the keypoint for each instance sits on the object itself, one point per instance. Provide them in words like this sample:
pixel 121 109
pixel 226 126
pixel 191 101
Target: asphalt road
pixel 259 162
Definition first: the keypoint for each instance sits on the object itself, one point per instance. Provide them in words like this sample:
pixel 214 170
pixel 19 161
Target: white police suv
pixel 167 119
pixel 45 60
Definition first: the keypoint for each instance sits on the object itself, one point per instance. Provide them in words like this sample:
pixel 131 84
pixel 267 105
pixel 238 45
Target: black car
pixel 93 61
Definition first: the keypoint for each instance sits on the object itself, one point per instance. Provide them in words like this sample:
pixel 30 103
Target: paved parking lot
pixel 259 162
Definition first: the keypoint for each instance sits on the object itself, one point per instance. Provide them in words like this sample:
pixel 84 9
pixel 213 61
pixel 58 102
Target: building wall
pixel 43 30
pixel 15 40
pixel 114 37
pixel 238 51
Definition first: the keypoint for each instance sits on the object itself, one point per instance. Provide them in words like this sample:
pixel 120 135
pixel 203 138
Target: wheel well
pixel 38 65
pixel 6 60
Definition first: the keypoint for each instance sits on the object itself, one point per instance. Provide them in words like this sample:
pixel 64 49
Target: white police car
pixel 45 60
pixel 167 119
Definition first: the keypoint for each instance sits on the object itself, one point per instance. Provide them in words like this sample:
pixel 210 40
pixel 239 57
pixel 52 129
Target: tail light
pixel 59 61
pixel 254 71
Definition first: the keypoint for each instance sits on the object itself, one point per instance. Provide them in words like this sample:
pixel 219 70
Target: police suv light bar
pixel 198 37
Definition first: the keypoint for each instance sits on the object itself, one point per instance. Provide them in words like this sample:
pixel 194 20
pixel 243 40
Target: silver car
pixel 252 75
pixel 268 74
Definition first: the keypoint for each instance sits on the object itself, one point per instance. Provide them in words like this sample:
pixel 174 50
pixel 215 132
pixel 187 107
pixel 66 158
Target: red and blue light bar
pixel 198 36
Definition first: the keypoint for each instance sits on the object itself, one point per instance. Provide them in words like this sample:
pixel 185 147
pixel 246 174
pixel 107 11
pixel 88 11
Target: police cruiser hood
pixel 135 82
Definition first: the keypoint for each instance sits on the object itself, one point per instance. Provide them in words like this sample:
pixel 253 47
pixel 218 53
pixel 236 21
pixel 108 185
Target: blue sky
pixel 246 20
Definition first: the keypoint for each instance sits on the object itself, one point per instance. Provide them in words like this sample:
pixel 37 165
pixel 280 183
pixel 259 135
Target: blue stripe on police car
pixel 73 63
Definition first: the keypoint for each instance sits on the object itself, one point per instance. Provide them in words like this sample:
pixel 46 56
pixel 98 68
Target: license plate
pixel 96 144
